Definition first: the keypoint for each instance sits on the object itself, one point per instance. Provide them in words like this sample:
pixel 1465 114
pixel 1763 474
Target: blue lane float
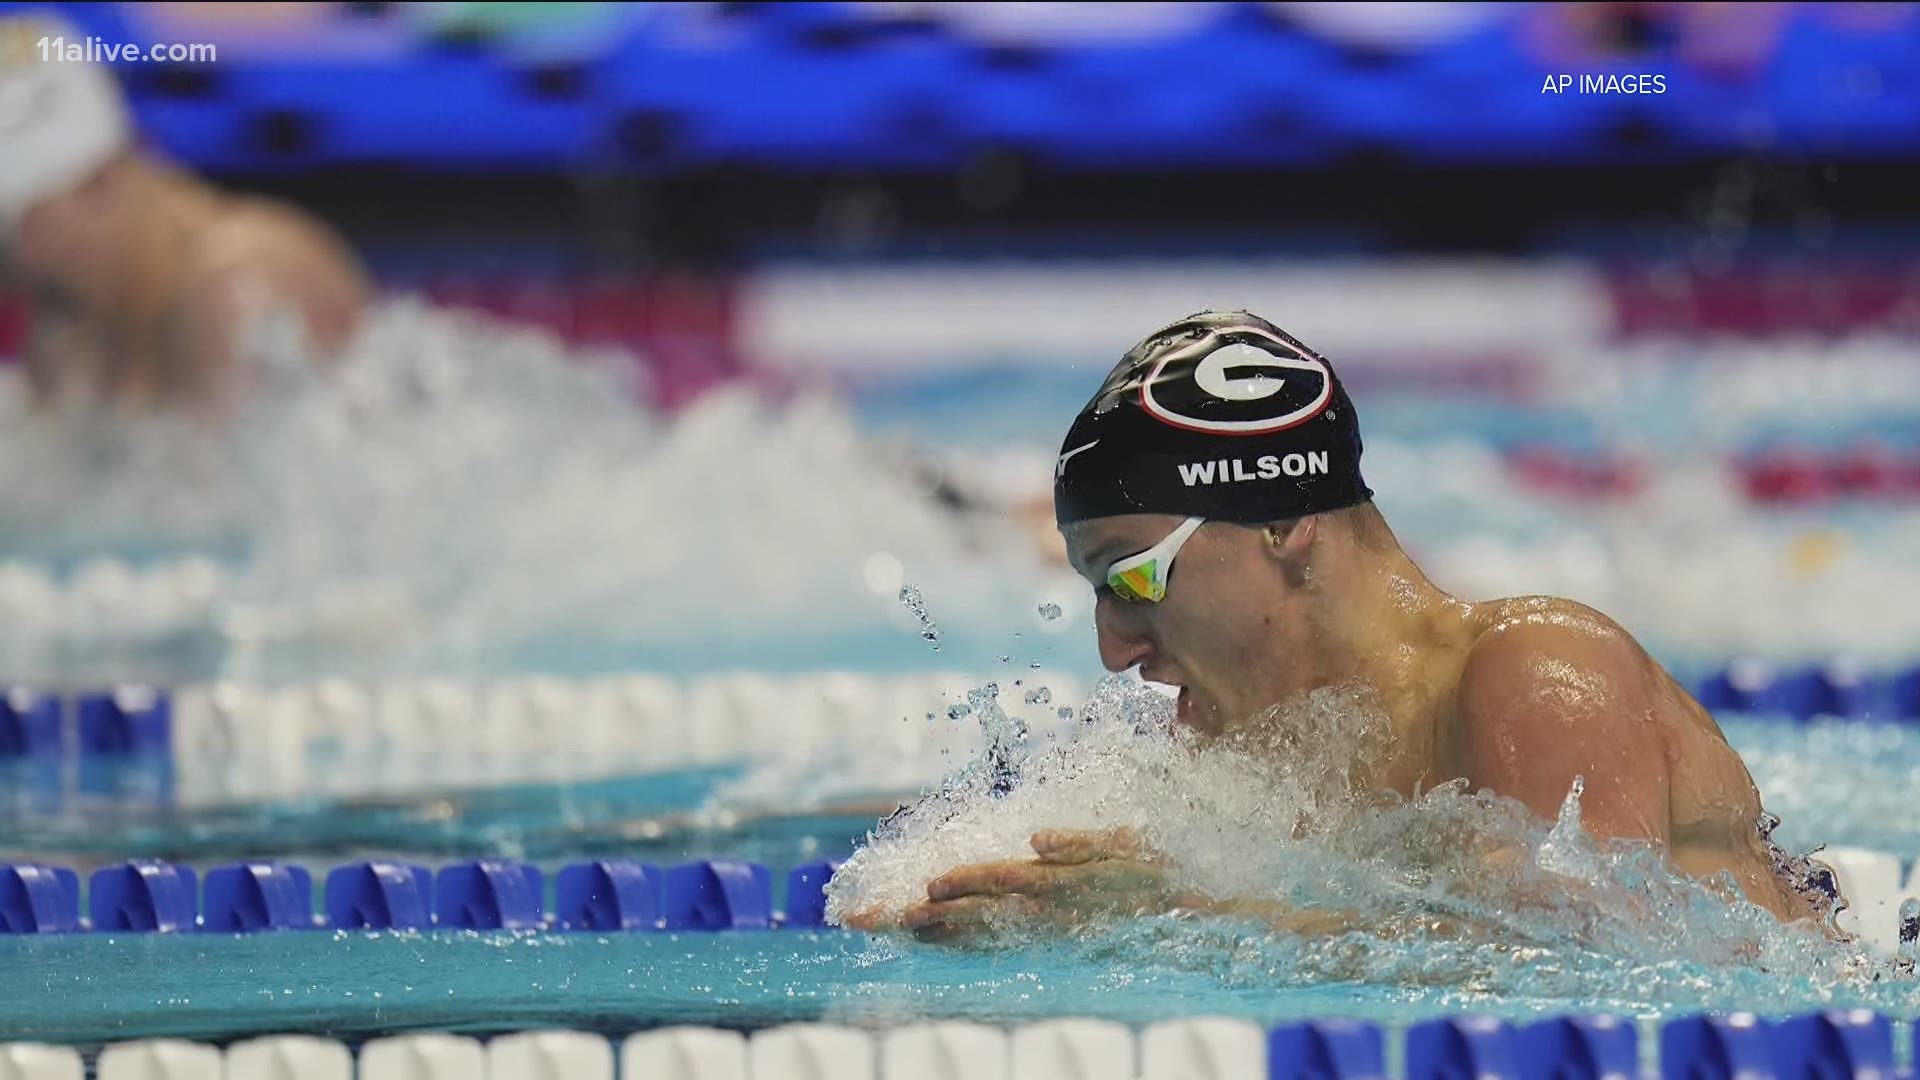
pixel 380 896
pixel 1856 1043
pixel 489 895
pixel 39 900
pixel 610 895
pixel 807 895
pixel 1326 1050
pixel 255 897
pixel 614 894
pixel 30 725
pixel 1735 1046
pixel 1904 693
pixel 143 897
pixel 1838 691
pixel 718 894
pixel 1578 1048
pixel 1475 1046
pixel 133 721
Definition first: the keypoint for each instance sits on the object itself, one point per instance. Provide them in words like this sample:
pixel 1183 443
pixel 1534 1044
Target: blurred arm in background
pixel 142 278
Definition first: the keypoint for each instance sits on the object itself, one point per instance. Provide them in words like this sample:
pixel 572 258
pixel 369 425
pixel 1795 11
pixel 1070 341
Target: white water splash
pixel 1446 886
pixel 457 494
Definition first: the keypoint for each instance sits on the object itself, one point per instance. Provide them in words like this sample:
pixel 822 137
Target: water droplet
pixel 1006 658
pixel 1050 612
pixel 1066 712
pixel 959 712
pixel 1035 665
pixel 1039 695
pixel 910 597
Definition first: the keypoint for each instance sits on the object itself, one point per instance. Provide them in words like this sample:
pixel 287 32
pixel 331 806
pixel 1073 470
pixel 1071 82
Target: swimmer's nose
pixel 1123 642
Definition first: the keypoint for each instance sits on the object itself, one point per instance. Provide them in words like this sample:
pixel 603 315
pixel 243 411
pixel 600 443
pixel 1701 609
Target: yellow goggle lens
pixel 1141 584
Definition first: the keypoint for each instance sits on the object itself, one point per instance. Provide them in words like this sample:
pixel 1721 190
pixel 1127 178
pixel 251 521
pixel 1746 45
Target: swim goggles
pixel 1142 578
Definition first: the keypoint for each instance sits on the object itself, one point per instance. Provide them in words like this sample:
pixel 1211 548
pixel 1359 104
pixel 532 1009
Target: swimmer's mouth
pixel 1183 710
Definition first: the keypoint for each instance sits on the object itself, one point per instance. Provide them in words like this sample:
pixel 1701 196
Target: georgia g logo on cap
pixel 1236 380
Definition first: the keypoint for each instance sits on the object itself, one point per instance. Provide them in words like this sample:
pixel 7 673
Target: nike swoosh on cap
pixel 1060 469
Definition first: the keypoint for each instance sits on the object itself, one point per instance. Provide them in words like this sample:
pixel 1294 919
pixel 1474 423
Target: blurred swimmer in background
pixel 142 279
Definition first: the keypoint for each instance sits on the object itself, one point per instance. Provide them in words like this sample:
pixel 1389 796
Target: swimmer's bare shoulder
pixel 1549 690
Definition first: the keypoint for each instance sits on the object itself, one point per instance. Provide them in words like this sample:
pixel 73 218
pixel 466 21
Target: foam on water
pixel 457 495
pixel 1452 888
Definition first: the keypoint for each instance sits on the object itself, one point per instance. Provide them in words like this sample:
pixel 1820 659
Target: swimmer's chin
pixel 1195 716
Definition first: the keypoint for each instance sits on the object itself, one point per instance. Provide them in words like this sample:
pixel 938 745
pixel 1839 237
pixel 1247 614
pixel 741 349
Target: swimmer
pixel 142 279
pixel 1211 492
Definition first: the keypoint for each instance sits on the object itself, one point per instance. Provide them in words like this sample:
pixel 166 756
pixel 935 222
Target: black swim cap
pixel 1222 415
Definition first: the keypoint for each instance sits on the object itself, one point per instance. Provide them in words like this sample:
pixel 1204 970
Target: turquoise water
pixel 90 989
pixel 531 821
pixel 601 568
pixel 86 989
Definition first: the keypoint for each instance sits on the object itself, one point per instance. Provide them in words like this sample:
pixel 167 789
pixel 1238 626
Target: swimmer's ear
pixel 1293 534
pixel 1290 541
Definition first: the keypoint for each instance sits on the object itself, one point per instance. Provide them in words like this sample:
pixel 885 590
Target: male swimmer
pixel 1224 447
pixel 142 279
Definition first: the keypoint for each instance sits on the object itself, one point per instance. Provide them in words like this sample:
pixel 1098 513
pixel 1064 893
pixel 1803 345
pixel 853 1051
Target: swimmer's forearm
pixel 1306 923
pixel 1326 922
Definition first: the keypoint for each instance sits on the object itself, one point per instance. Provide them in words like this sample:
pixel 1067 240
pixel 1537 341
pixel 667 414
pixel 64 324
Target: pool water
pixel 93 988
pixel 312 558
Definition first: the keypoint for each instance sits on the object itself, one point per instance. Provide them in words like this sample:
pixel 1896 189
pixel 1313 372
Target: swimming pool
pixel 408 690
pixel 92 988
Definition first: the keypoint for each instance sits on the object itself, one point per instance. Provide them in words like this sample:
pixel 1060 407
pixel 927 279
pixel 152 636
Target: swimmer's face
pixel 1220 634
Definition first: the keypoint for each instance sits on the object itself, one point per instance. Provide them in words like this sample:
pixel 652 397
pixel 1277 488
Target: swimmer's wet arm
pixel 1306 922
pixel 1543 702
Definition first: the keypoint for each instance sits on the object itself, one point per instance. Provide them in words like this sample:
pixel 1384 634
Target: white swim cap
pixel 60 120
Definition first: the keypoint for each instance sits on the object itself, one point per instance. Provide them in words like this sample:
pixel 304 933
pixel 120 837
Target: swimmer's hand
pixel 1075 877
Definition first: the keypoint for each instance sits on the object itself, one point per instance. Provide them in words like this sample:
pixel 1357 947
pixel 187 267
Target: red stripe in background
pixel 1758 301
pixel 678 326
pixel 14 318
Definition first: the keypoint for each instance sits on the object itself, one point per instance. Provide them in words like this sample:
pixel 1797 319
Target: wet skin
pixel 1517 696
